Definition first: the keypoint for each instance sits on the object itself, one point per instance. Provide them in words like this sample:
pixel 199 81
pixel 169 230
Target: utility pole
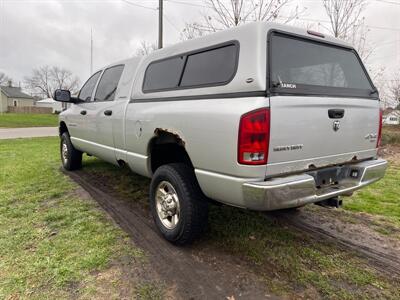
pixel 160 24
pixel 91 51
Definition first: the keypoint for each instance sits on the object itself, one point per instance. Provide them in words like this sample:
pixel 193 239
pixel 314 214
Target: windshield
pixel 308 67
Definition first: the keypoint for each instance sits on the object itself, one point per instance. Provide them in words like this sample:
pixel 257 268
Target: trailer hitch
pixel 331 202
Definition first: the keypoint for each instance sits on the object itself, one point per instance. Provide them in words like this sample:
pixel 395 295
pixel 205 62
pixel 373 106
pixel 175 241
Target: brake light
pixel 318 34
pixel 253 139
pixel 378 142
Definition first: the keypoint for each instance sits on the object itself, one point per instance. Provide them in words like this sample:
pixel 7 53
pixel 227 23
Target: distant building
pixel 391 116
pixel 13 96
pixel 57 107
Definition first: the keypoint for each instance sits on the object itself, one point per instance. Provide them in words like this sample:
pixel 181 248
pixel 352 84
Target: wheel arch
pixel 62 128
pixel 166 147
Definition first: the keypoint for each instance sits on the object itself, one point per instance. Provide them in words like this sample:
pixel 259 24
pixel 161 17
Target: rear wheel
pixel 71 158
pixel 177 203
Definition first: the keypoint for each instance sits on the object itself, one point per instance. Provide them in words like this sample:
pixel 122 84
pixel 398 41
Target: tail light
pixel 253 139
pixel 378 142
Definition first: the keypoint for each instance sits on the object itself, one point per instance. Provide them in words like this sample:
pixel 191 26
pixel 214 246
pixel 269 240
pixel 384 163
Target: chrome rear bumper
pixel 298 190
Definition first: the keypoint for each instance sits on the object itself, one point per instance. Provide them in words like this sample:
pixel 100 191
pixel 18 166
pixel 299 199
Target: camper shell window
pixel 211 66
pixel 299 65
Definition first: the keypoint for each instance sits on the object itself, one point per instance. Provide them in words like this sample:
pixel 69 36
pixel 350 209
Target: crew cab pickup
pixel 262 116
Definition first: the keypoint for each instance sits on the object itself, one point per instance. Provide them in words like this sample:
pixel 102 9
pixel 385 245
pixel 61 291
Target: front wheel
pixel 177 203
pixel 70 157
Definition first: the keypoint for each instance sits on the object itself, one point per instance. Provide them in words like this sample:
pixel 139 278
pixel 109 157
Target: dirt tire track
pixel 384 260
pixel 192 278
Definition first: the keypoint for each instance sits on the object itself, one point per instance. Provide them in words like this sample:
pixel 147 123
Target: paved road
pixel 14 133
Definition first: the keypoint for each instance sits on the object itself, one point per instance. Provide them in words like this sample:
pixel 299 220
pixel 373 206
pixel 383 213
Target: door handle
pixel 335 113
pixel 108 112
pixel 83 112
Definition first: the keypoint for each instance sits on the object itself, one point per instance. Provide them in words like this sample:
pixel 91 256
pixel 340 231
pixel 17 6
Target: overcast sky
pixel 34 33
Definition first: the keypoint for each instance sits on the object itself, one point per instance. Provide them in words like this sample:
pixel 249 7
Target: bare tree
pixel 343 15
pixel 226 14
pixel 45 80
pixel 192 30
pixel 377 74
pixel 347 23
pixel 394 89
pixel 146 48
pixel 4 79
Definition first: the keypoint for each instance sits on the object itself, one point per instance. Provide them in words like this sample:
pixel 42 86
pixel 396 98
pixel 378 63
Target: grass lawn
pixel 291 263
pixel 54 242
pixel 391 134
pixel 11 120
pixel 381 198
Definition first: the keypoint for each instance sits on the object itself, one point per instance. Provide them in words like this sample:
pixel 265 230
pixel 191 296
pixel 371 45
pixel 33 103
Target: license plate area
pixel 327 177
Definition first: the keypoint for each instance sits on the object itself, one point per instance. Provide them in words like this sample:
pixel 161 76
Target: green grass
pixel 52 241
pixel 293 263
pixel 391 135
pixel 150 291
pixel 381 198
pixel 11 120
pixel 290 262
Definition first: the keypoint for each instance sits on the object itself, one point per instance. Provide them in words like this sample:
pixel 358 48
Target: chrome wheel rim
pixel 167 205
pixel 64 152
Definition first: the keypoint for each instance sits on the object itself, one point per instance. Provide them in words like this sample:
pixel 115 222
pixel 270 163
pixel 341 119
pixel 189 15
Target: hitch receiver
pixel 331 202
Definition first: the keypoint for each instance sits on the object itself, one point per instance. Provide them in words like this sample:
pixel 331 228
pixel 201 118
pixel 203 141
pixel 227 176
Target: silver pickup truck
pixel 263 117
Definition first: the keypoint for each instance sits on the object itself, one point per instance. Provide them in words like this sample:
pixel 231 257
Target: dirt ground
pixel 187 272
pixel 204 273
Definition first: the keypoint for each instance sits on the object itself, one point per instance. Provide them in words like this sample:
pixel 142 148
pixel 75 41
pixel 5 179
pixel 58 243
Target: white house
pixel 392 117
pixel 49 102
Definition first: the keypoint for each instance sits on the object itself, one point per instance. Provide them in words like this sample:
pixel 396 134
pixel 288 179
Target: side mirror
pixel 62 96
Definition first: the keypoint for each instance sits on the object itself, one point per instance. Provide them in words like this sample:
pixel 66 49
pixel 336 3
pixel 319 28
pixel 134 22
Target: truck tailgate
pixel 303 135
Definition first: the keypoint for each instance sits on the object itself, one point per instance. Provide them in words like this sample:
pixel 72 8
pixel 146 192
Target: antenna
pixel 91 51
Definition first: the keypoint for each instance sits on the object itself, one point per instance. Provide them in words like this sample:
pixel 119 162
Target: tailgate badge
pixel 336 125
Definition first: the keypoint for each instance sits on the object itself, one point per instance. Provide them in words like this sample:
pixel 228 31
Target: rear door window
pixel 310 67
pixel 108 84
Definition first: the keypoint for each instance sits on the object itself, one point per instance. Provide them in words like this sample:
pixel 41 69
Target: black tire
pixel 72 158
pixel 193 212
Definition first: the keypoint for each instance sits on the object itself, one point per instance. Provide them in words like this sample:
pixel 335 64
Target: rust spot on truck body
pixel 160 131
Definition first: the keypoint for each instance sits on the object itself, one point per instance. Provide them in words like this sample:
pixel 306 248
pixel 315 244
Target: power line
pixel 171 23
pixel 388 2
pixel 326 21
pixel 188 3
pixel 139 5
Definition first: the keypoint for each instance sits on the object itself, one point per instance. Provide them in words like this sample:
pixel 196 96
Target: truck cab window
pixel 108 84
pixel 86 91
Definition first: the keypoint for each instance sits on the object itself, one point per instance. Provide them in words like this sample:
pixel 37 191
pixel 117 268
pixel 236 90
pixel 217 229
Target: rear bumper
pixel 298 190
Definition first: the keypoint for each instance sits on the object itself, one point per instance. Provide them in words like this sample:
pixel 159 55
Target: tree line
pixel 44 80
